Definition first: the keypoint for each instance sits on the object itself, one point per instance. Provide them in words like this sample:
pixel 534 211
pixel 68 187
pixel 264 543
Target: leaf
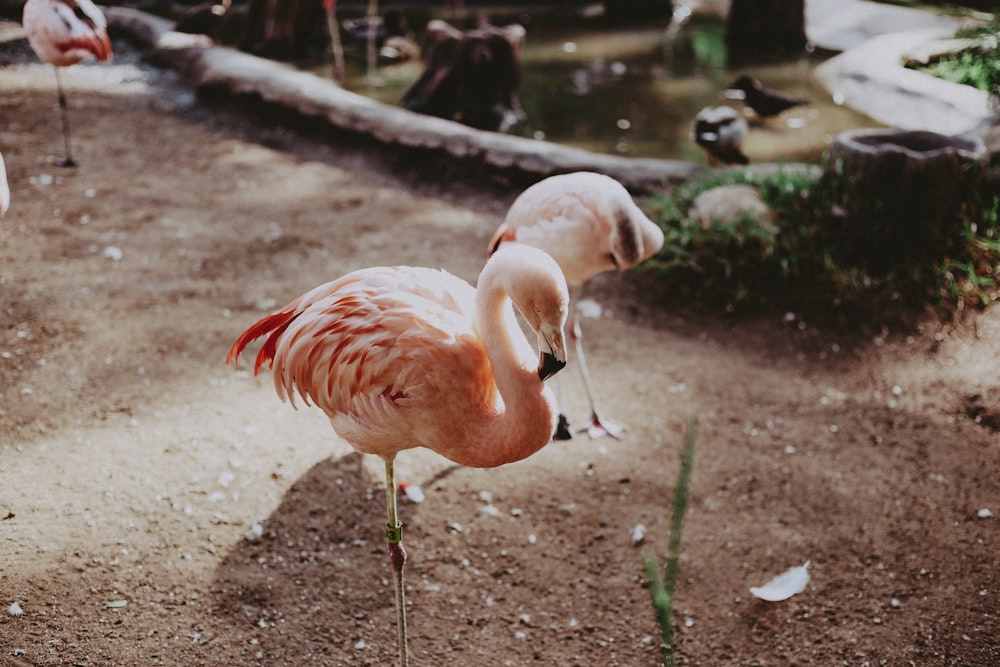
pixel 785 585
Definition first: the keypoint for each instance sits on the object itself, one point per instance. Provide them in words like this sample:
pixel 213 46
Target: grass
pixel 800 257
pixel 977 66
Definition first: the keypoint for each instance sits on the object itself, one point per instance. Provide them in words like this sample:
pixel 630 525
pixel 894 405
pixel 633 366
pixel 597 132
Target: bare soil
pixel 159 507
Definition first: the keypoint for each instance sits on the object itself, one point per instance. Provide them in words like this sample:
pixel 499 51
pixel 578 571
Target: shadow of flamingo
pixel 315 570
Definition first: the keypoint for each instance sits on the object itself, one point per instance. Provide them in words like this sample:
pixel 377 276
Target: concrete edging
pixel 217 68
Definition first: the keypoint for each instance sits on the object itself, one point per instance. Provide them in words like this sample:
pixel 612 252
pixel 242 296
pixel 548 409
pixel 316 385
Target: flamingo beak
pixel 553 356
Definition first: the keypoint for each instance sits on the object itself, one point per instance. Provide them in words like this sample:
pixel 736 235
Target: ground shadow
pixel 315 568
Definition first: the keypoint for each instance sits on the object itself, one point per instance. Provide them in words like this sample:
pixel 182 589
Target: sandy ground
pixel 159 507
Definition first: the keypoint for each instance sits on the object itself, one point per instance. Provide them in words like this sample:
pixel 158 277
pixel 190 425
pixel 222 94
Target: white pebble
pixel 413 493
pixel 589 309
pixel 984 513
pixel 15 610
pixel 255 532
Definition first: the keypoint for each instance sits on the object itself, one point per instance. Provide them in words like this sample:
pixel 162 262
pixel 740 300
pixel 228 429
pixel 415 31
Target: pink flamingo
pixel 63 33
pixel 589 224
pixel 4 189
pixel 409 357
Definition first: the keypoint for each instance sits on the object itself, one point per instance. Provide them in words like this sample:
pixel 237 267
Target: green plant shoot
pixel 661 589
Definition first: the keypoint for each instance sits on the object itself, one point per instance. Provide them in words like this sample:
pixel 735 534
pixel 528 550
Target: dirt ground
pixel 160 508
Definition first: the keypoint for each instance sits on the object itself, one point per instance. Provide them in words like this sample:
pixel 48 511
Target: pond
pixel 634 92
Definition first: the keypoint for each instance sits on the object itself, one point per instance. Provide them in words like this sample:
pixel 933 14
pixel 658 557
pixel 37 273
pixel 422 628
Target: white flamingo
pixel 63 33
pixel 589 224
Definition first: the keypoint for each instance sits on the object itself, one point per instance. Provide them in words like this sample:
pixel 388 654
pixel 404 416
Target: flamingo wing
pixel 368 347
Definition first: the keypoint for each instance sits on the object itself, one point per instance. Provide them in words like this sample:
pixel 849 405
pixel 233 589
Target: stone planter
pixel 901 192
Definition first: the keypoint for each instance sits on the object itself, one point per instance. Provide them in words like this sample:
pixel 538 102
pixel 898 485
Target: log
pixel 900 193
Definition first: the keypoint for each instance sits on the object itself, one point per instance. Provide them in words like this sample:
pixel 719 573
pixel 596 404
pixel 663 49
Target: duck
pixel 765 102
pixel 720 131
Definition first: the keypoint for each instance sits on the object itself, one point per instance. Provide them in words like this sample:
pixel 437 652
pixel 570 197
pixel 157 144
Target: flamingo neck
pixel 524 420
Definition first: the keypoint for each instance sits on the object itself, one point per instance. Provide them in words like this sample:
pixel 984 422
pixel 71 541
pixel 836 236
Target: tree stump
pixel 901 193
pixel 470 77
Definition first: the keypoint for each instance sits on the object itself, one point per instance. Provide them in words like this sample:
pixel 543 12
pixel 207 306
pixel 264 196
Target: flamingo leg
pixel 335 43
pixel 397 557
pixel 371 78
pixel 599 426
pixel 67 161
pixel 563 431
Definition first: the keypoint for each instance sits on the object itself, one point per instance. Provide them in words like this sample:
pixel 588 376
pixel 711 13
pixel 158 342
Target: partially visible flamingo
pixel 4 189
pixel 407 357
pixel 64 33
pixel 589 224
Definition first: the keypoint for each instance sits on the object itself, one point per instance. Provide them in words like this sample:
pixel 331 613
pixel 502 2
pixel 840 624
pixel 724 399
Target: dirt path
pixel 157 507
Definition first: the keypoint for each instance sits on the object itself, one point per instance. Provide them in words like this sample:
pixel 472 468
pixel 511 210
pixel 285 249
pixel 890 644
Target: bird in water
pixel 765 102
pixel 589 224
pixel 64 33
pixel 4 188
pixel 403 357
pixel 721 131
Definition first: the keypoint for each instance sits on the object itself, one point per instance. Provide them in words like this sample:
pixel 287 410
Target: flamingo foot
pixel 600 427
pixel 563 431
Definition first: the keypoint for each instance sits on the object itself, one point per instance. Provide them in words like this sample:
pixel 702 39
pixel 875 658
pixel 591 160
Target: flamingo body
pixel 66 32
pixel 396 359
pixel 586 221
pixel 589 224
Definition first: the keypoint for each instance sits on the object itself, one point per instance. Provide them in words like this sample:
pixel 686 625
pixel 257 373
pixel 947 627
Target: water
pixel 635 92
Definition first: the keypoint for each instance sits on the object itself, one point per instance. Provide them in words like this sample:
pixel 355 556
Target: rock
pixel 728 203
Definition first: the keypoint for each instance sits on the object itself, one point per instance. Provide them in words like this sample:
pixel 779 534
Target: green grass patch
pixel 799 258
pixel 977 66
